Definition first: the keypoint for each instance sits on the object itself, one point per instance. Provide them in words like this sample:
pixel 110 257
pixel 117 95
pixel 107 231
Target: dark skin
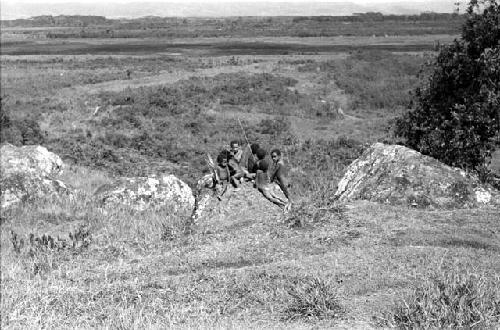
pixel 262 183
pixel 279 175
pixel 237 172
pixel 223 172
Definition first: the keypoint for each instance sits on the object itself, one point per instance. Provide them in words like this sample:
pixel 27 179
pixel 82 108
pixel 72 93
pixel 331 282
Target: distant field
pixel 222 46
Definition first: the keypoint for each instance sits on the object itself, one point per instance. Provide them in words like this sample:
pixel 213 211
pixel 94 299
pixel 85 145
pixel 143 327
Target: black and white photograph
pixel 250 164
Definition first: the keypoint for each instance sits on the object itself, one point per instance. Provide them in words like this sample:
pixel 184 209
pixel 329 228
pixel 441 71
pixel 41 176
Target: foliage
pixel 321 163
pixel 18 132
pixel 453 300
pixel 373 79
pixel 456 113
pixel 275 127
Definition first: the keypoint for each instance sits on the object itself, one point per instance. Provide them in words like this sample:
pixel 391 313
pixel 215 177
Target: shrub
pixel 455 117
pixel 450 301
pixel 275 127
pixel 19 131
pixel 373 79
pixel 312 298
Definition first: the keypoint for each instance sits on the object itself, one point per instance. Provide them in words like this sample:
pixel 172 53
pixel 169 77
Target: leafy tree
pixel 455 116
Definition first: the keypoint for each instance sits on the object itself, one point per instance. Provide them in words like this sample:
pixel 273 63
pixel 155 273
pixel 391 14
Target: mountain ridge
pixel 16 10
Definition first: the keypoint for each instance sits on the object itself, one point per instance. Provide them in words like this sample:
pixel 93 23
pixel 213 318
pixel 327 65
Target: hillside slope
pixel 247 267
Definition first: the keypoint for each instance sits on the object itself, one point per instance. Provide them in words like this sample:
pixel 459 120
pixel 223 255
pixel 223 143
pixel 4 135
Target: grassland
pixel 222 46
pixel 323 266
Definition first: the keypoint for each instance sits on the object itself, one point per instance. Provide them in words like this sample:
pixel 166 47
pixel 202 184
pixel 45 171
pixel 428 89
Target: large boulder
pixel 141 193
pixel 28 173
pixel 29 159
pixel 398 175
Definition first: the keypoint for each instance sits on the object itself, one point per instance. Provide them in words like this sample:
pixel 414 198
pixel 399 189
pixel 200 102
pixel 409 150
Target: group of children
pixel 233 168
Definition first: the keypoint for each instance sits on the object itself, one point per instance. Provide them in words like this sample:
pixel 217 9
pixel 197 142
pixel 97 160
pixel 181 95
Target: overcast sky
pixel 216 1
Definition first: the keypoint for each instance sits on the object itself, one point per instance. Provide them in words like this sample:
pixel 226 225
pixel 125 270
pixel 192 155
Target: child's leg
pixel 273 195
pixel 236 178
pixel 235 181
pixel 267 194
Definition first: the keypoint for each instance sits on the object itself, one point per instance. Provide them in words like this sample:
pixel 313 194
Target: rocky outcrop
pixel 398 175
pixel 246 202
pixel 141 193
pixel 29 159
pixel 28 173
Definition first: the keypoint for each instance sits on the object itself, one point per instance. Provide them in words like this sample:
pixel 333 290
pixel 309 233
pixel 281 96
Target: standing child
pixel 223 176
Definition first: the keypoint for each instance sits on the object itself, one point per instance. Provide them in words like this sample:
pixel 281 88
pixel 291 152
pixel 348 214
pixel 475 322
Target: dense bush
pixel 374 79
pixel 320 164
pixel 268 93
pixel 456 113
pixel 274 127
pixel 18 132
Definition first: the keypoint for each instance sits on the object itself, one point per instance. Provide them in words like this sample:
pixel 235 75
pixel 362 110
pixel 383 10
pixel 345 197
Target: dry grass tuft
pixel 451 300
pixel 312 298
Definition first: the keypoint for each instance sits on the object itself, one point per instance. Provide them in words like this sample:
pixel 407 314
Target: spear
pixel 246 139
pixel 211 164
pixel 244 134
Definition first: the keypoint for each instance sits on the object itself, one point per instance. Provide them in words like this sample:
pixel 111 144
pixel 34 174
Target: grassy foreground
pixel 347 267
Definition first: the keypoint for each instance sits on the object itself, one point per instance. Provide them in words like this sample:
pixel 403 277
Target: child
pixel 234 163
pixel 222 176
pixel 263 185
pixel 279 174
pixel 252 159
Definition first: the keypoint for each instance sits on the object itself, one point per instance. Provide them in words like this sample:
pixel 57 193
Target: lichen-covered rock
pixel 398 175
pixel 29 159
pixel 23 187
pixel 141 193
pixel 28 173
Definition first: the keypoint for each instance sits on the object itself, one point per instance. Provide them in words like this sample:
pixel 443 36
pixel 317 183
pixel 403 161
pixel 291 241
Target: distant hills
pixel 12 9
